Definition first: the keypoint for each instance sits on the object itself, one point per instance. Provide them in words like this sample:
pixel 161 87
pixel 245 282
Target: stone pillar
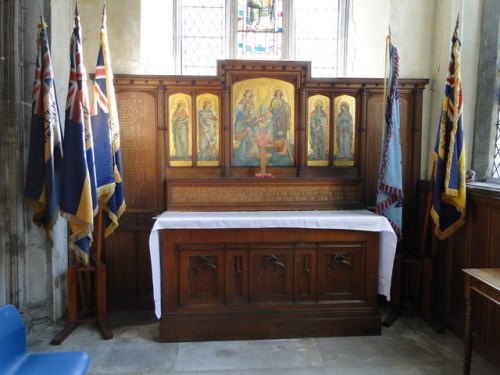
pixel 488 91
pixel 28 278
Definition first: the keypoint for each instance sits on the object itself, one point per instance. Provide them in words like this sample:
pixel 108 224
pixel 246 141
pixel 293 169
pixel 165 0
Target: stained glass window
pixel 260 29
pixel 306 30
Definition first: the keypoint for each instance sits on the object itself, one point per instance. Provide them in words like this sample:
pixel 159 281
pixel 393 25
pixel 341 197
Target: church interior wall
pixel 421 30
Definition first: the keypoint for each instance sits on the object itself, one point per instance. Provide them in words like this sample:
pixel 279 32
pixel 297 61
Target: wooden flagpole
pixel 396 272
pixel 90 280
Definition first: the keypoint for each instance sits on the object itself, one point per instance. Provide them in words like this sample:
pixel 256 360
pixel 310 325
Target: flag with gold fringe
pixel 43 175
pixel 448 200
pixel 78 191
pixel 390 181
pixel 106 131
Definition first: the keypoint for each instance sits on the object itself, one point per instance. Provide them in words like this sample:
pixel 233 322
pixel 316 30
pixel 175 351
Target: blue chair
pixel 15 360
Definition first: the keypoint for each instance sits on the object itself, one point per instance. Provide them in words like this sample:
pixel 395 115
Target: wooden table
pixel 486 282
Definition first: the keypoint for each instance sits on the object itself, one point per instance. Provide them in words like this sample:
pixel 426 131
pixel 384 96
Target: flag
pixel 448 199
pixel 43 175
pixel 78 191
pixel 106 131
pixel 390 180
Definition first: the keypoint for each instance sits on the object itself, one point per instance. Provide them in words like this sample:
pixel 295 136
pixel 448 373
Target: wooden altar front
pixel 270 274
pixel 268 283
pixel 201 143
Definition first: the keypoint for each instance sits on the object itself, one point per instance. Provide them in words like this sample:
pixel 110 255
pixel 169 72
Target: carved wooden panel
pixel 271 274
pixel 201 277
pixel 340 272
pixel 264 283
pixel 305 274
pixel 237 275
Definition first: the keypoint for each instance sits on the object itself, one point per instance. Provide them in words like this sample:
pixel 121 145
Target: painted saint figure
pixel 180 126
pixel 281 115
pixel 264 127
pixel 247 99
pixel 244 133
pixel 207 127
pixel 280 109
pixel 345 130
pixel 318 132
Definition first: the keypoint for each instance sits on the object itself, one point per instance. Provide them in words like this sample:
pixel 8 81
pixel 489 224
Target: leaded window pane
pixel 316 24
pixel 496 159
pixel 203 35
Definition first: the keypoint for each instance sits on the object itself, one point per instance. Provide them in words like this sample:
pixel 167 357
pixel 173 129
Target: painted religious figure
pixel 261 14
pixel 180 130
pixel 208 130
pixel 318 130
pixel 263 123
pixel 344 131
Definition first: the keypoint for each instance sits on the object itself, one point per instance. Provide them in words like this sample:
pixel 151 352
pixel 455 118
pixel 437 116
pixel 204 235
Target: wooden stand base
pixel 423 265
pixel 83 283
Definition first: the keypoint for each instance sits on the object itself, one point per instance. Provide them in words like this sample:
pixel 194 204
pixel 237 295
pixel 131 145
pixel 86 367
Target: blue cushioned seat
pixel 15 360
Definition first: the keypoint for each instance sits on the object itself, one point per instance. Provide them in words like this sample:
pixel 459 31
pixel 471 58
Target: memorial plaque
pixel 260 195
pixel 137 115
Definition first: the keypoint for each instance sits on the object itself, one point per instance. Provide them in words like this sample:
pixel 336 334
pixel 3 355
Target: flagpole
pixel 98 252
pixel 384 103
pixel 427 214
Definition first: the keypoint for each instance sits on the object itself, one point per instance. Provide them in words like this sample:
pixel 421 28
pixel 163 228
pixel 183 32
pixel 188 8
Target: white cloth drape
pixel 359 220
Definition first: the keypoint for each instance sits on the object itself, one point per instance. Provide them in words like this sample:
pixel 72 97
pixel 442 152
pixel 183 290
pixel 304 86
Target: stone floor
pixel 409 346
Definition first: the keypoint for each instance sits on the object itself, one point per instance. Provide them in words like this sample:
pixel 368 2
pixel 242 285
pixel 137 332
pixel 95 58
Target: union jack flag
pixel 106 130
pixel 79 193
pixel 43 176
pixel 449 192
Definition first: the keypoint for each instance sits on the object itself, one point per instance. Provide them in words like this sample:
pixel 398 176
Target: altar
pixel 270 274
pixel 258 179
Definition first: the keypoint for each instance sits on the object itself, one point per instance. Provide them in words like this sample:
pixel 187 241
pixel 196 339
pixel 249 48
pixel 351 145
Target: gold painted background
pixel 203 138
pixel 173 104
pixel 311 106
pixel 263 91
pixel 340 158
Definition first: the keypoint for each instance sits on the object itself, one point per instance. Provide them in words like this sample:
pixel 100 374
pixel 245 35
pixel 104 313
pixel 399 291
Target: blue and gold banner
pixel 79 192
pixel 43 175
pixel 106 128
pixel 390 181
pixel 448 200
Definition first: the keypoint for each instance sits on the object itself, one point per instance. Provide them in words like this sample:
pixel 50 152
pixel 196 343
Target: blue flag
pixel 390 181
pixel 106 131
pixel 43 176
pixel 448 200
pixel 78 192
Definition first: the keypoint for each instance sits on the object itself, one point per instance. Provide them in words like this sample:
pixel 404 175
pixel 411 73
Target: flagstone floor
pixel 409 346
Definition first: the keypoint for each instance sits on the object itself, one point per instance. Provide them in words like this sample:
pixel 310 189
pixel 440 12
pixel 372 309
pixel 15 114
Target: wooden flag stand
pixel 87 293
pixel 424 274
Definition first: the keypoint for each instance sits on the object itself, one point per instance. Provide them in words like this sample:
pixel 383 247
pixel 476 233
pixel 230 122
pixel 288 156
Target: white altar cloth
pixel 360 220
